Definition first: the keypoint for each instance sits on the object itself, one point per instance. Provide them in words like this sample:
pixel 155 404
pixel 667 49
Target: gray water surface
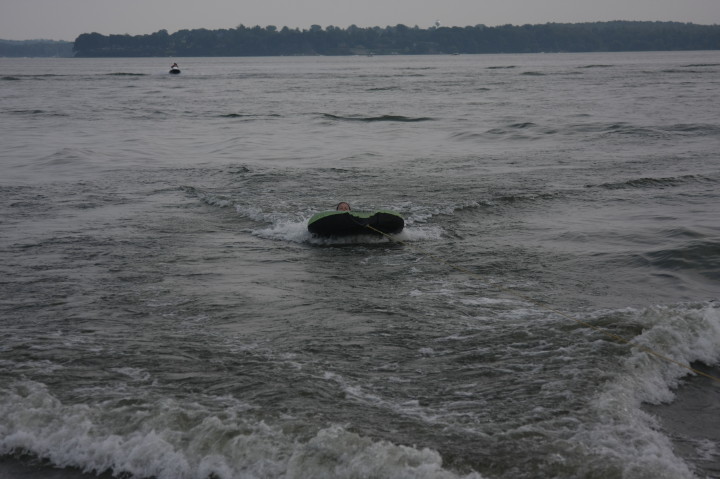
pixel 165 312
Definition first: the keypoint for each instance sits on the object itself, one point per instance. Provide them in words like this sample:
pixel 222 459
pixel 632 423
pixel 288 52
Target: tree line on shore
pixel 401 39
pixel 35 48
pixel 398 39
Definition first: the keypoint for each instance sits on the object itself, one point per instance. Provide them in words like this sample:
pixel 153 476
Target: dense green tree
pixel 401 39
pixel 35 48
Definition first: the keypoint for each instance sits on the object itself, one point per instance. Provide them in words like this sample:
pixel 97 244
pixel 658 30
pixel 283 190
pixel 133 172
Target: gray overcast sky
pixel 66 19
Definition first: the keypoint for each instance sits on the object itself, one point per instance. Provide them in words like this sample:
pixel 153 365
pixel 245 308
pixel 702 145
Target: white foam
pixel 255 213
pixel 706 449
pixel 336 453
pixel 622 431
pixel 169 440
pixel 40 366
pixel 295 232
pixel 134 373
pixel 409 408
pixel 221 201
pixel 420 233
pixel 488 301
pixel 421 214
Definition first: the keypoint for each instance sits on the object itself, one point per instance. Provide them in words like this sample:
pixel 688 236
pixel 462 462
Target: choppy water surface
pixel 166 314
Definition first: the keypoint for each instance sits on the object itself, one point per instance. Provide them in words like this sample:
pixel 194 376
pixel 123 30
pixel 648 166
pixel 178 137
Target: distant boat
pixel 175 69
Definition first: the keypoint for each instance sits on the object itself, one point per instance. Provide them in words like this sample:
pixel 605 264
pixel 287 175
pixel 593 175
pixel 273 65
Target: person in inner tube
pixel 342 206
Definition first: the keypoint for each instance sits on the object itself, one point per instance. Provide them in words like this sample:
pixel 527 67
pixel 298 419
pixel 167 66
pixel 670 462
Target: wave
pixel 219 200
pixel 699 129
pixel 648 182
pixel 630 438
pixel 596 66
pixel 368 119
pixel 415 68
pixel 41 76
pixel 695 65
pixel 656 131
pixel 631 130
pixel 515 131
pixel 626 129
pixel 679 71
pixel 245 115
pixel 528 197
pixel 700 256
pixel 172 440
pixel 37 112
pixel 74 157
pixel 387 88
pixel 684 129
pixel 123 74
pixel 603 130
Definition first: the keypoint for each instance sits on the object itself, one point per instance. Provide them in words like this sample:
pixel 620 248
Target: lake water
pixel 166 314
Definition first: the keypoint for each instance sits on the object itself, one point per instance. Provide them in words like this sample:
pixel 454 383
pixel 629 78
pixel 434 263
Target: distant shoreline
pixel 36 49
pixel 616 36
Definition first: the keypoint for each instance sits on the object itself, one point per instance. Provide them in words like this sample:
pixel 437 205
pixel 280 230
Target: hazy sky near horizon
pixel 66 19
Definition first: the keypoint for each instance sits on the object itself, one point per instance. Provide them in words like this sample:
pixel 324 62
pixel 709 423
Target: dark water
pixel 166 314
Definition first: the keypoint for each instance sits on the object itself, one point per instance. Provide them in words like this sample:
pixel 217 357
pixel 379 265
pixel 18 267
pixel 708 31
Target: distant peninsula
pixel 615 36
pixel 35 48
pixel 403 40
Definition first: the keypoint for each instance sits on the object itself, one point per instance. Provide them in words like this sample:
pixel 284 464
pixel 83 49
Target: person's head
pixel 342 206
